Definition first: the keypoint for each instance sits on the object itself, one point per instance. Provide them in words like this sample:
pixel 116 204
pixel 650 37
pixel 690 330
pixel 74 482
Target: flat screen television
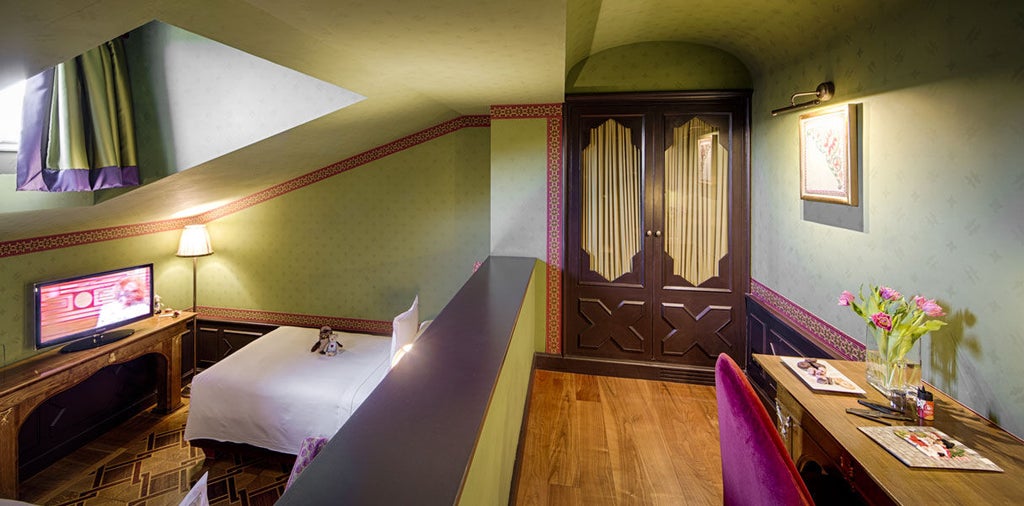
pixel 85 310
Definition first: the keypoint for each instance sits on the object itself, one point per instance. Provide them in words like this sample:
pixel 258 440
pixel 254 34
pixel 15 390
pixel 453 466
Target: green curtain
pixel 78 132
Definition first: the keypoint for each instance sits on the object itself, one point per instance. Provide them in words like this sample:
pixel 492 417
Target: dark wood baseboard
pixel 625 369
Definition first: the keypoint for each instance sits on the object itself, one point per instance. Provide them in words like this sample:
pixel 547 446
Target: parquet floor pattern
pixel 146 462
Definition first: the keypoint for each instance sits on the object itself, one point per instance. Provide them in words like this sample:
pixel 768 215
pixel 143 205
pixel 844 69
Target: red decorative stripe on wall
pixel 37 244
pixel 848 347
pixel 526 111
pixel 554 234
pixel 296 320
pixel 58 241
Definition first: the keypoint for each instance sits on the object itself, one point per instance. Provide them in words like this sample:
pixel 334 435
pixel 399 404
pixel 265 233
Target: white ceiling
pixel 418 63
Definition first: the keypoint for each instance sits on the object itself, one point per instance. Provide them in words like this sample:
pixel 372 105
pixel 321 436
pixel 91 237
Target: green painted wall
pixel 942 103
pixel 518 225
pixel 363 243
pixel 172 279
pixel 489 477
pixel 519 187
pixel 658 66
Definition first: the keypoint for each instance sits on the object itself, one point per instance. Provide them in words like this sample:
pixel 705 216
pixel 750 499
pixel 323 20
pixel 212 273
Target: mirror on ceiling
pixel 194 100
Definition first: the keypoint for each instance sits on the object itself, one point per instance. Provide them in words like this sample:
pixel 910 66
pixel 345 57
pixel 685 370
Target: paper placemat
pixel 819 375
pixel 928 447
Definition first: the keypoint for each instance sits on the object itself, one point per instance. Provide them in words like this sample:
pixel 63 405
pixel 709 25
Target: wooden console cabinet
pixel 27 384
pixel 220 338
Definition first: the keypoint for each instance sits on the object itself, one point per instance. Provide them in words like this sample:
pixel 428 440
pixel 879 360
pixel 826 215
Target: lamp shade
pixel 195 242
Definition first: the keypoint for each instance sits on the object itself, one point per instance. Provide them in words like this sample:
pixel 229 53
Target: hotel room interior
pixel 349 156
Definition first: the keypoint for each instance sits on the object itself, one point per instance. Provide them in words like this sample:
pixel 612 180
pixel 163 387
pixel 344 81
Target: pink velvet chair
pixel 756 468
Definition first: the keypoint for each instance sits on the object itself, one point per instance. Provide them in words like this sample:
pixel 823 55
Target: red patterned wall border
pixel 297 320
pixel 554 237
pixel 845 345
pixel 49 242
pixel 37 244
pixel 527 111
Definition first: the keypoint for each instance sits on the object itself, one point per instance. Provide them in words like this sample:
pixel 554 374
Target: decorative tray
pixel 820 376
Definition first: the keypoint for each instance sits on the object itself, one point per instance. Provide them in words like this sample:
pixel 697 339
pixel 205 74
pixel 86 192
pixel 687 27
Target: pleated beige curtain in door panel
pixel 696 201
pixel 611 215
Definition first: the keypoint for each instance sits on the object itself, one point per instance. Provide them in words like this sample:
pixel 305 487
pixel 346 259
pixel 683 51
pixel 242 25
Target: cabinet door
pixel 608 296
pixel 702 264
pixel 231 340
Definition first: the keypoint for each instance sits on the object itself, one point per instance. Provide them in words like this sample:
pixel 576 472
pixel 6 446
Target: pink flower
pixel 845 298
pixel 929 306
pixel 882 321
pixel 889 293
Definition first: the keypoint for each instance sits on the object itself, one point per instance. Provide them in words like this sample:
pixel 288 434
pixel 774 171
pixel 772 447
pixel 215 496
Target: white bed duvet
pixel 273 392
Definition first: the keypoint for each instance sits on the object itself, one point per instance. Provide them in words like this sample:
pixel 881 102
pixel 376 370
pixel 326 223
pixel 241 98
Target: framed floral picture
pixel 828 155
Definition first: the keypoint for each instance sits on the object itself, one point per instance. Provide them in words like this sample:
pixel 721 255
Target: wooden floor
pixel 601 440
pixel 590 440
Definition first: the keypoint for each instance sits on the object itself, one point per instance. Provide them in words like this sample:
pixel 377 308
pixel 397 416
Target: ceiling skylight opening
pixel 10 116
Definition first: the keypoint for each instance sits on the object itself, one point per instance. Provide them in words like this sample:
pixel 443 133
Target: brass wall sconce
pixel 823 93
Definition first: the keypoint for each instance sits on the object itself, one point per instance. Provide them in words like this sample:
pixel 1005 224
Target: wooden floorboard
pixel 603 440
pixel 590 440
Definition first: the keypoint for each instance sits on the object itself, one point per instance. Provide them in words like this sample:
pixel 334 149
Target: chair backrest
pixel 756 468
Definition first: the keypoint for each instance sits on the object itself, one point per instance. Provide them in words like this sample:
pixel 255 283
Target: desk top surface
pixel 904 484
pixel 51 362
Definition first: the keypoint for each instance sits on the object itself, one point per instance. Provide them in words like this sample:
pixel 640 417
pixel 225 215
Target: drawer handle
pixel 242 333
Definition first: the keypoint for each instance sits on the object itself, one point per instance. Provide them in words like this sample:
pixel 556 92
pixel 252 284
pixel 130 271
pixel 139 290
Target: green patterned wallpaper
pixel 363 243
pixel 519 188
pixel 172 279
pixel 658 66
pixel 942 106
pixel 360 244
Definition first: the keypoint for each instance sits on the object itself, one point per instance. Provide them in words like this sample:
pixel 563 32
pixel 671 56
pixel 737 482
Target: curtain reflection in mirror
pixel 696 201
pixel 78 133
pixel 611 218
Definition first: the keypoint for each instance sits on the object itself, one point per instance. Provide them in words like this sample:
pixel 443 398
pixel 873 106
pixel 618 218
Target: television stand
pixel 97 340
pixel 26 384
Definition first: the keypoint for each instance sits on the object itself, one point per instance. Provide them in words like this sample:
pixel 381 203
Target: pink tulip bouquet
pixel 897 324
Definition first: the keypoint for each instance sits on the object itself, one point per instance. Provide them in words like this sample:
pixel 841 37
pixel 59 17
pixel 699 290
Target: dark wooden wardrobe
pixel 657 249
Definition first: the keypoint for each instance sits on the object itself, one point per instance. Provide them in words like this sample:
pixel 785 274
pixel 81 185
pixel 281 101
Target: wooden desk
pixel 820 429
pixel 26 384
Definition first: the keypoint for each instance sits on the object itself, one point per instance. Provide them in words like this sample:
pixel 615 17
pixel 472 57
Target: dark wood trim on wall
pixel 625 369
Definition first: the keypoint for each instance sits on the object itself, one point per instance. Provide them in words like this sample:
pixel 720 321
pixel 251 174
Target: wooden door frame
pixel 737 103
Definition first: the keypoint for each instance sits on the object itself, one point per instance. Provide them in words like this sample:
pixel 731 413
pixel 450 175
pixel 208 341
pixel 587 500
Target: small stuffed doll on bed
pixel 332 346
pixel 326 335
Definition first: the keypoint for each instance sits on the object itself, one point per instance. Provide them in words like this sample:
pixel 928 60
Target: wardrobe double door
pixel 657 227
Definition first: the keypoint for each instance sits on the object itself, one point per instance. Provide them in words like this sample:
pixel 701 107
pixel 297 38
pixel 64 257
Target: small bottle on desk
pixel 925 404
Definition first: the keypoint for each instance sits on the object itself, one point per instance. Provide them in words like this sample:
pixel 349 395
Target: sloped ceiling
pixel 418 63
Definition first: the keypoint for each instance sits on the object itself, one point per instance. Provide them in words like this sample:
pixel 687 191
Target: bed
pixel 273 392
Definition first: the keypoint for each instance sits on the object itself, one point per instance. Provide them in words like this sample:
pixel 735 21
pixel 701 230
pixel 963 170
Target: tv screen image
pixel 90 305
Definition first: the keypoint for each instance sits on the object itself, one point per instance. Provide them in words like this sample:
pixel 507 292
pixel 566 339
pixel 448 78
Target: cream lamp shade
pixel 195 242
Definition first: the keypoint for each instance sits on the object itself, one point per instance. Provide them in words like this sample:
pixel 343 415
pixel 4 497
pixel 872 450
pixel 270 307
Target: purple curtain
pixel 77 128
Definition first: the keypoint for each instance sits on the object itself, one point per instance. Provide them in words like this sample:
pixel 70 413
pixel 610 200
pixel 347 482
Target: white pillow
pixel 404 328
pixel 423 327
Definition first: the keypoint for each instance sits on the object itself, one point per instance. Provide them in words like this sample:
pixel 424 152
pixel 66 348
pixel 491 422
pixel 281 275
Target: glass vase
pixel 896 377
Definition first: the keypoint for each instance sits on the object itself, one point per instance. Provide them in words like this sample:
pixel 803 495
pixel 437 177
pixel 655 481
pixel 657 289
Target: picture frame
pixel 828 155
pixel 707 156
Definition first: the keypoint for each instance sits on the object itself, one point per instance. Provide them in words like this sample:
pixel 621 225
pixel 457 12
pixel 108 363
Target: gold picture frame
pixel 828 155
